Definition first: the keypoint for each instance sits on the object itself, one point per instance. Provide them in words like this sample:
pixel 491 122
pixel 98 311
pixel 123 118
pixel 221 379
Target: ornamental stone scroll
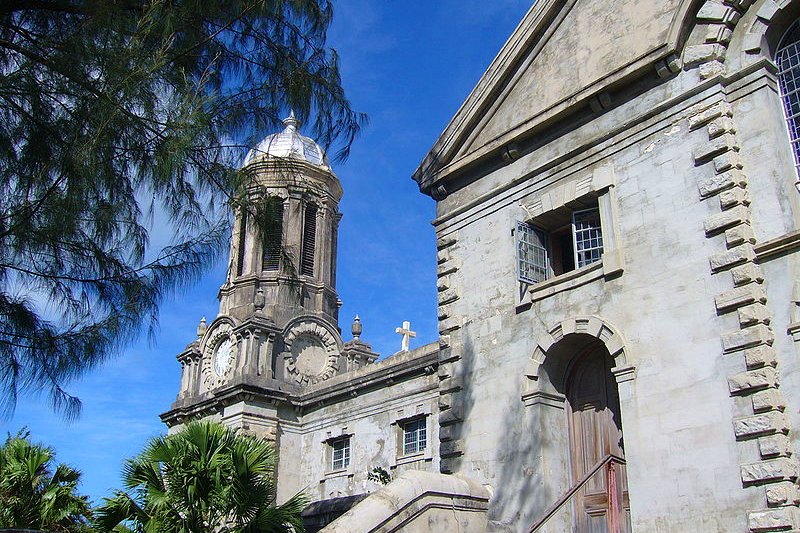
pixel 312 352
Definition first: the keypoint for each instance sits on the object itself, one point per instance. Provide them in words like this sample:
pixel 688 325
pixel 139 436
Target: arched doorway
pixel 577 374
pixel 601 505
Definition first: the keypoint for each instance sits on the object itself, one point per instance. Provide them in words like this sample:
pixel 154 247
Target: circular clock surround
pixel 219 357
pixel 309 355
pixel 312 352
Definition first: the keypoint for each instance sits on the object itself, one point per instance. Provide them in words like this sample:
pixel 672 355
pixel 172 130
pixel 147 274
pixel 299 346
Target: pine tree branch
pixel 13 6
pixel 99 111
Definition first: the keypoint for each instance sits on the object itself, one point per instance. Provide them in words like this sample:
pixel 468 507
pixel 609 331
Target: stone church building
pixel 618 227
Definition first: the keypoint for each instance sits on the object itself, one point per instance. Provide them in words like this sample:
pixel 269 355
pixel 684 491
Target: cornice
pixel 290 173
pixel 395 369
pixel 611 136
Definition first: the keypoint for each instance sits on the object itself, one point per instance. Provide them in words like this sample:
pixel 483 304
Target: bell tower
pixel 277 328
pixel 283 251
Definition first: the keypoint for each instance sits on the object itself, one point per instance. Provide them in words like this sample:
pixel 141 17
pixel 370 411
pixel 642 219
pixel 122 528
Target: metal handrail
pixel 553 509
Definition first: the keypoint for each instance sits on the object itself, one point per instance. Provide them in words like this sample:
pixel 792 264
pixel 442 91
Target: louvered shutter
pixel 241 239
pixel 309 240
pixel 274 233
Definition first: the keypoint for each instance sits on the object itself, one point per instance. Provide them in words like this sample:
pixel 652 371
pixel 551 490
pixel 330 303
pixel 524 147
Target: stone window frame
pixel 600 184
pixel 398 431
pixel 762 39
pixel 535 244
pixel 420 435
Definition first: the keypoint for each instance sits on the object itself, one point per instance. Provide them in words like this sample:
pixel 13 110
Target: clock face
pixel 222 356
pixel 220 352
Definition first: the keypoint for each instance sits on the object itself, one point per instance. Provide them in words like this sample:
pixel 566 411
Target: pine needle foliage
pixel 36 493
pixel 120 116
pixel 204 479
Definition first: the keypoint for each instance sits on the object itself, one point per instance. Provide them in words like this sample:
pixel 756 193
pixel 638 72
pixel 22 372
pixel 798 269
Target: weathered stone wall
pixel 697 176
pixel 370 415
pixel 369 404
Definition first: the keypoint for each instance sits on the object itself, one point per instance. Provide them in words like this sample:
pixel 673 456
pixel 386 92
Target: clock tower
pixel 277 329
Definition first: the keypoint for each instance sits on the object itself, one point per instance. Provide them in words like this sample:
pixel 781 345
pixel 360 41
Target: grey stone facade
pixel 664 116
pixel 662 119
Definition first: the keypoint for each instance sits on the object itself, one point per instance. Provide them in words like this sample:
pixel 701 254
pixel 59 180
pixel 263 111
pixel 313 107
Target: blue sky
pixel 409 64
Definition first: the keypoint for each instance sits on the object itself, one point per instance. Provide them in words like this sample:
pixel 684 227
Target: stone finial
pixel 259 301
pixel 291 121
pixel 202 328
pixel 356 328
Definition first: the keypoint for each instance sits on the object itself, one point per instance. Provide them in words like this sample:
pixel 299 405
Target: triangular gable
pixel 562 53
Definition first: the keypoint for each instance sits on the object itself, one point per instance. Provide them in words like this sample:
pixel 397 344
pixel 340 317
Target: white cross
pixel 406 332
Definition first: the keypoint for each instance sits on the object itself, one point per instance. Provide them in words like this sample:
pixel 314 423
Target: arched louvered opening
pixel 240 243
pixel 309 240
pixel 334 251
pixel 273 235
pixel 788 60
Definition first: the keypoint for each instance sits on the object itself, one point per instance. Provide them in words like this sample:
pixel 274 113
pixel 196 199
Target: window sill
pixel 609 266
pixel 418 457
pixel 563 282
pixel 778 246
pixel 333 474
pixel 410 458
pixel 794 331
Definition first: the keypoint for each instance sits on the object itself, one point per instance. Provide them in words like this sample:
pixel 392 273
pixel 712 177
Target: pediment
pixel 562 53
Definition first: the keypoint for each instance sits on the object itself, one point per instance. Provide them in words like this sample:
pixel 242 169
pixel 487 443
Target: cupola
pixel 284 266
pixel 288 144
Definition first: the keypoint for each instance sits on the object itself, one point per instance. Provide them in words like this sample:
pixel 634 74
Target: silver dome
pixel 288 144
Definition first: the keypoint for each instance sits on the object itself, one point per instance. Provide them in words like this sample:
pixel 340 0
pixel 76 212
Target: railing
pixel 609 462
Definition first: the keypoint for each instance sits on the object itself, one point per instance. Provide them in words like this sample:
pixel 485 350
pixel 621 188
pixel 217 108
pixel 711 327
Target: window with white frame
pixel 415 436
pixel 558 242
pixel 587 237
pixel 788 60
pixel 339 450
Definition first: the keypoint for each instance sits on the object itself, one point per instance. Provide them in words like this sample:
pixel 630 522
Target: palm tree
pixel 34 495
pixel 205 479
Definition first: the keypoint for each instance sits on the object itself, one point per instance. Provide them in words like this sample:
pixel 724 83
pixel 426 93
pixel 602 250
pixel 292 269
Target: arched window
pixel 788 60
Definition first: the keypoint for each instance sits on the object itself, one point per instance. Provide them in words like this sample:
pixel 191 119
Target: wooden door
pixel 595 430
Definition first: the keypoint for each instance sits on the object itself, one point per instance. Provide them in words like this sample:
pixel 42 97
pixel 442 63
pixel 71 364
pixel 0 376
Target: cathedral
pixel 618 234
pixel 274 363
